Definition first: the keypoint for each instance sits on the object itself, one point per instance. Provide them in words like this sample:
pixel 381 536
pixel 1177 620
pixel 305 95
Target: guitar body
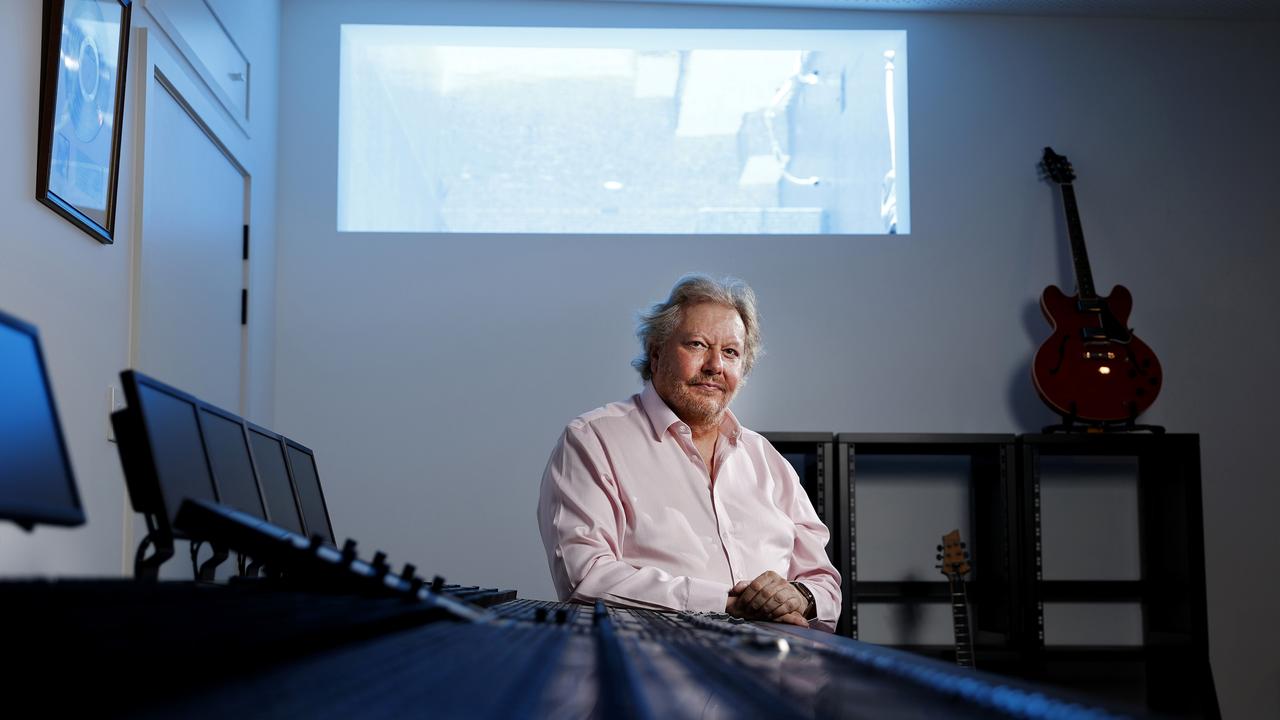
pixel 1092 367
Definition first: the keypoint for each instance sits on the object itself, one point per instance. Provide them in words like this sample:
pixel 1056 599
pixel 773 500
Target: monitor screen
pixel 273 476
pixel 231 461
pixel 176 448
pixel 307 480
pixel 36 482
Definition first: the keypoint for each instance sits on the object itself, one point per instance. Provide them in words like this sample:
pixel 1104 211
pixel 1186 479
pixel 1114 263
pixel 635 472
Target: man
pixel 665 501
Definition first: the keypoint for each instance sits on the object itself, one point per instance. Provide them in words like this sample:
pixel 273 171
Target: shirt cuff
pixel 706 595
pixel 825 609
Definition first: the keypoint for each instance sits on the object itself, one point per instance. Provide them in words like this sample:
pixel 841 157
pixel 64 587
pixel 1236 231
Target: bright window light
pixel 588 130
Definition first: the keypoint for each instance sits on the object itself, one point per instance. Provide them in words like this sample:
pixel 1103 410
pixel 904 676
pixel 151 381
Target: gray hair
pixel 661 320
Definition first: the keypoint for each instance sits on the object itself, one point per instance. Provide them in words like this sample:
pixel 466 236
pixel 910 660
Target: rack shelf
pixel 1000 480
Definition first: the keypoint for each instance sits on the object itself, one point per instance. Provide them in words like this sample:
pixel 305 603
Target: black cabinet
pixel 969 482
pixel 1166 665
pixel 1088 551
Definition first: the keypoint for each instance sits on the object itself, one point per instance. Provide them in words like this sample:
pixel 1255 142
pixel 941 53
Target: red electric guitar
pixel 1093 369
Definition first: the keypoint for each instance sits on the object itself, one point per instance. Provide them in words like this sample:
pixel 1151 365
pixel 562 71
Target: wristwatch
pixel 811 610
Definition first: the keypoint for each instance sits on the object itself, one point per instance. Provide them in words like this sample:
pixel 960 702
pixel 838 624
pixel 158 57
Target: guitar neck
pixel 1079 256
pixel 960 616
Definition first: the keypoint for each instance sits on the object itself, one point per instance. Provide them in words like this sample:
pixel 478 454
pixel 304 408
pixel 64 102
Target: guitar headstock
pixel 1057 167
pixel 953 557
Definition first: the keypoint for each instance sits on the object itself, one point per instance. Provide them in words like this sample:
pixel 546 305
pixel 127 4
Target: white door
pixel 190 268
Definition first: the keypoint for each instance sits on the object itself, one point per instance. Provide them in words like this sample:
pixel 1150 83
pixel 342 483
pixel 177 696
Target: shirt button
pixel 684 429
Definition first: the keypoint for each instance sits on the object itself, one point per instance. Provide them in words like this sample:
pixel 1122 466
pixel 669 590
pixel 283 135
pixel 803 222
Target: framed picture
pixel 86 43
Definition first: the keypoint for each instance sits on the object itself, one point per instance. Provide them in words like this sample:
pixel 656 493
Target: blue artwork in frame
pixel 85 46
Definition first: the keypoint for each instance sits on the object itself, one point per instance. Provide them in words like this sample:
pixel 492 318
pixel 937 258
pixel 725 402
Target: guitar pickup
pixel 1095 334
pixel 1094 306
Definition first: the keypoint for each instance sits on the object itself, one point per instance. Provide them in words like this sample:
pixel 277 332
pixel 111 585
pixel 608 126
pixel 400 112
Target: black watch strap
pixel 811 610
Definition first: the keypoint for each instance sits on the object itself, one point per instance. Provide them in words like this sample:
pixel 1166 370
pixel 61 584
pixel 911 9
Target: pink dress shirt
pixel 630 515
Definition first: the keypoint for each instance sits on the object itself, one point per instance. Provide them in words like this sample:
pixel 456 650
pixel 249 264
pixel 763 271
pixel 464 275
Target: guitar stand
pixel 1072 424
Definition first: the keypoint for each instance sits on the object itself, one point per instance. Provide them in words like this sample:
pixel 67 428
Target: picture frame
pixel 83 57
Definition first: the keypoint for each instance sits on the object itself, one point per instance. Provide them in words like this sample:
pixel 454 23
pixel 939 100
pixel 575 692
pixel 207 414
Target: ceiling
pixel 1218 9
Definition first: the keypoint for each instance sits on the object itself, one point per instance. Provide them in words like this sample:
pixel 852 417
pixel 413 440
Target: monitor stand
pixel 209 568
pixel 146 568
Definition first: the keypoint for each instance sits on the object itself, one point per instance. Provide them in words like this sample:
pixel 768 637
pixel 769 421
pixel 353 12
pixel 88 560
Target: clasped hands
pixel 768 597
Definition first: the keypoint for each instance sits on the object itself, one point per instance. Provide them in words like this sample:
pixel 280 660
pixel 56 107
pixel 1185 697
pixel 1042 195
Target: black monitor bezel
pixel 141 477
pixel 27 516
pixel 253 461
pixel 288 471
pixel 324 503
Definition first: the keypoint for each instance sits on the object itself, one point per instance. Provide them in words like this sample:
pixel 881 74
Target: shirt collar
pixel 663 418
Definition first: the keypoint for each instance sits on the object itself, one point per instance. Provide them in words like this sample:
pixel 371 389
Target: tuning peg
pixel 962 546
pixel 939 548
pixel 937 557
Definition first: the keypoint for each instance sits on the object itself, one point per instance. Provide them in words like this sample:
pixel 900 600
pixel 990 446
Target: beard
pixel 691 404
pixel 695 408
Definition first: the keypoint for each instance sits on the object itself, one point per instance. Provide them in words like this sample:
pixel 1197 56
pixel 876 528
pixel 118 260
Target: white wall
pixel 78 291
pixel 432 374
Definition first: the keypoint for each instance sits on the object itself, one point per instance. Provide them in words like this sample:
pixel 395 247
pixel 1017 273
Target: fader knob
pixel 349 551
pixel 407 573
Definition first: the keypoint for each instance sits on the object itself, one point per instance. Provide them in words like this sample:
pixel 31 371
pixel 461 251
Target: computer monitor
pixel 273 477
pixel 315 512
pixel 36 482
pixel 162 449
pixel 227 441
